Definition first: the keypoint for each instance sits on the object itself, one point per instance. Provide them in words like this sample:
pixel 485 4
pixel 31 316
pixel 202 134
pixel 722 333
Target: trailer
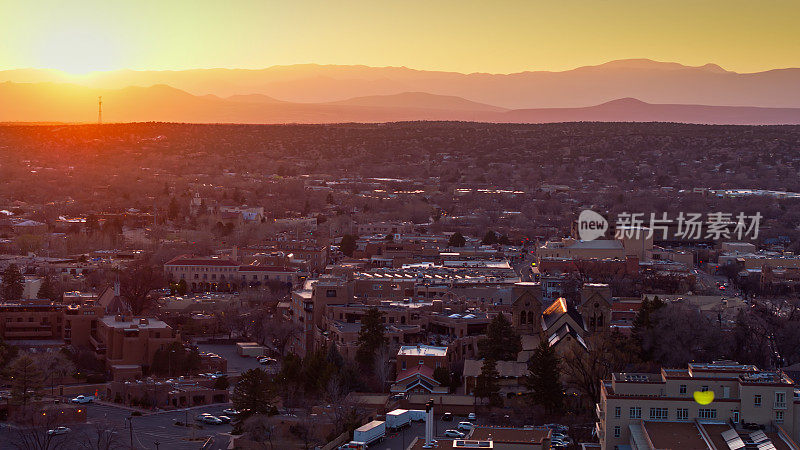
pixel 249 349
pixel 397 419
pixel 371 432
pixel 417 415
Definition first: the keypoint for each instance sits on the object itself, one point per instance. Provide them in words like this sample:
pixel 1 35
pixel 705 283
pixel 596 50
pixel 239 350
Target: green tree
pixel 348 244
pixel 502 342
pixel 486 385
pixel 254 393
pixel 442 375
pixel 456 240
pixel 13 283
pixel 26 378
pixel 371 337
pixel 174 209
pixel 47 290
pixel 182 288
pixel 544 378
pixel 489 238
pixel 643 322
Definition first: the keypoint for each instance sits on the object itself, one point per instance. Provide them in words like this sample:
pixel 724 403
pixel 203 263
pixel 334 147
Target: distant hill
pixel 647 80
pixel 633 110
pixel 422 100
pixel 60 102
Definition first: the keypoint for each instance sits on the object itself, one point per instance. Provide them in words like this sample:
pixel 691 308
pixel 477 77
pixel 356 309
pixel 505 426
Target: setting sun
pixel 77 51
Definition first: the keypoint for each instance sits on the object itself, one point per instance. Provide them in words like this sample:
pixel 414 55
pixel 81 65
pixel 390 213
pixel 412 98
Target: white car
pixel 465 426
pixel 454 434
pixel 82 399
pixel 58 430
pixel 230 411
pixel 471 416
pixel 211 420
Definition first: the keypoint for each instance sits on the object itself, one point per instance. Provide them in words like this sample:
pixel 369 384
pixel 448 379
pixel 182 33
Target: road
pixel 160 427
pixel 156 431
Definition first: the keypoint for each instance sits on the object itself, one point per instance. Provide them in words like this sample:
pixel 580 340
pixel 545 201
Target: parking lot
pixel 401 439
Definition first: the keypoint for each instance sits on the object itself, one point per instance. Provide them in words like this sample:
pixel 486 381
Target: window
pixel 617 412
pixel 617 431
pixel 735 416
pixel 683 389
pixel 682 413
pixel 636 412
pixel 658 413
pixel 779 416
pixel 403 365
pixel 780 400
pixel 707 413
pixel 757 400
pixel 330 293
pixel 704 389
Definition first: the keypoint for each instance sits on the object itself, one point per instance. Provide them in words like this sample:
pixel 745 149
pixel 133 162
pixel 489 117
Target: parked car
pixel 201 416
pixel 58 430
pixel 230 412
pixel 224 419
pixel 82 399
pixel 454 434
pixel 471 416
pixel 267 360
pixel 211 420
pixel 447 417
pixel 465 426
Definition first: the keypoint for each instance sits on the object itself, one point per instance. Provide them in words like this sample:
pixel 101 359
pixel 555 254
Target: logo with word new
pixel 591 225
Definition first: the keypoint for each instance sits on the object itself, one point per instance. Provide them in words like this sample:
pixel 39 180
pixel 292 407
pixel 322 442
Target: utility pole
pixel 100 110
pixel 130 428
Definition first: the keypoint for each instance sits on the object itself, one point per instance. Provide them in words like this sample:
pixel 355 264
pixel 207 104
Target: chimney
pixel 429 442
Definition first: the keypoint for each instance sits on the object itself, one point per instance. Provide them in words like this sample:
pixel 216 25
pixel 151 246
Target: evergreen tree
pixel 502 342
pixel 544 378
pixel 182 288
pixel 504 240
pixel 26 378
pixel 643 322
pixel 456 240
pixel 47 290
pixel 348 244
pixel 489 238
pixel 254 393
pixel 442 375
pixel 486 385
pixel 371 337
pixel 13 283
pixel 174 209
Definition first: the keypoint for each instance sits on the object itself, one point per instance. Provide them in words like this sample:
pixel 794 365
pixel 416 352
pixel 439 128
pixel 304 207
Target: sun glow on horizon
pixel 78 51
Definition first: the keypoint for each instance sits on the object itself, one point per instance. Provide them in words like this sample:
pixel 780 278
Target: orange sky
pixel 466 36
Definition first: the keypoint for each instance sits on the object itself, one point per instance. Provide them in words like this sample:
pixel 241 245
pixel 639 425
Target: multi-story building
pixel 635 405
pixel 128 342
pixel 308 307
pixel 211 274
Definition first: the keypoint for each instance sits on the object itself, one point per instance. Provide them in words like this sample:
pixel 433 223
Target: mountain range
pixel 626 90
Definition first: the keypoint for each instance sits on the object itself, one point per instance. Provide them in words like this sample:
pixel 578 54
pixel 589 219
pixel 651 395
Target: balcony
pixel 600 431
pixel 599 411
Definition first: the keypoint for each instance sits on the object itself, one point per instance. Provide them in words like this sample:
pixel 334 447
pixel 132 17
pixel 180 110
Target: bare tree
pixel 260 429
pixel 136 282
pixel 101 435
pixel 32 434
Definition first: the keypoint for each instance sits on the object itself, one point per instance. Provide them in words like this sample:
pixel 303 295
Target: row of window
pixel 635 412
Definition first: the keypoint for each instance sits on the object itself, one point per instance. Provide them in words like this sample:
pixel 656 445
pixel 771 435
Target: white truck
pixel 371 432
pixel 417 415
pixel 398 419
